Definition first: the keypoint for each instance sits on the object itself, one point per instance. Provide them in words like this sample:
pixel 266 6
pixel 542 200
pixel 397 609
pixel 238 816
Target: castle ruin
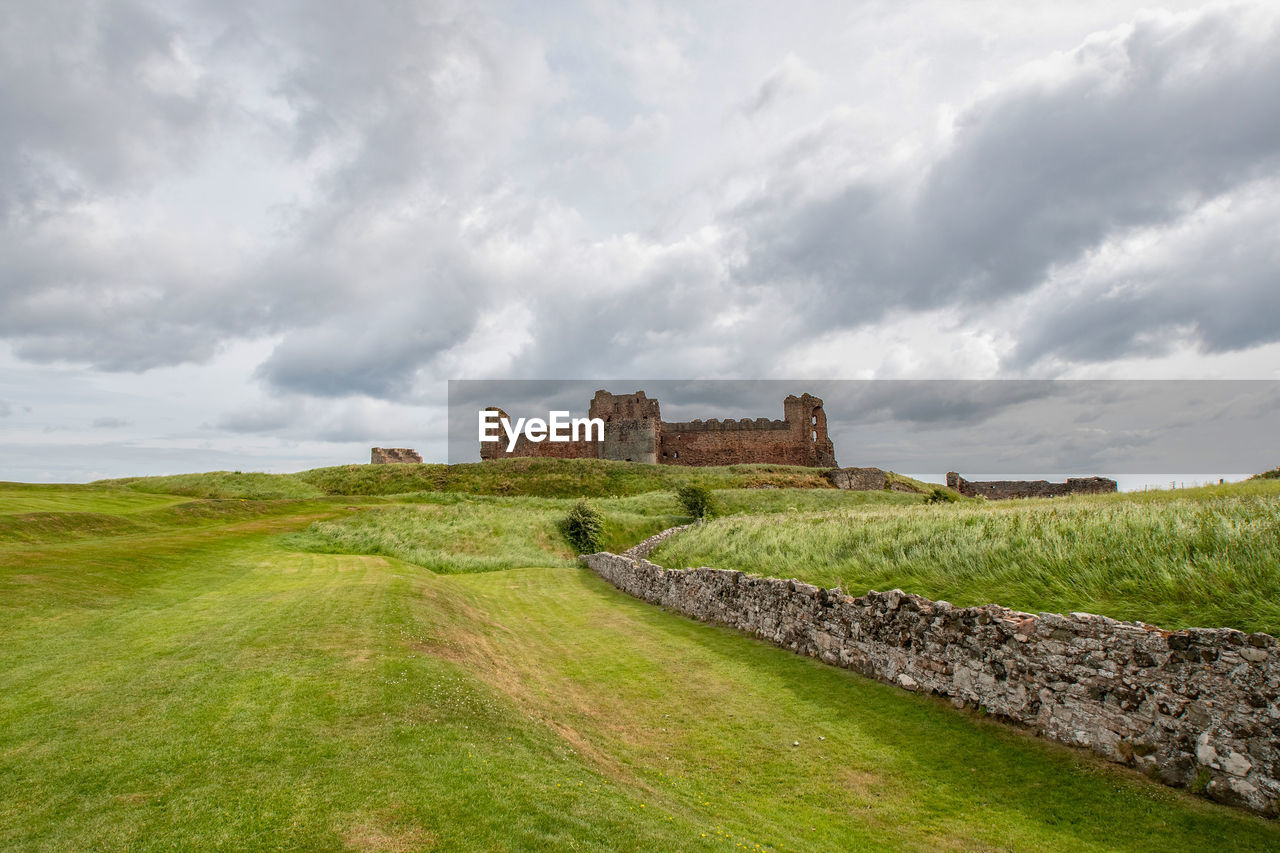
pixel 393 456
pixel 1005 489
pixel 635 432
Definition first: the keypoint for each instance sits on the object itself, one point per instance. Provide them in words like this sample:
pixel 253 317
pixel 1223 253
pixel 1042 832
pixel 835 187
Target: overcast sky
pixel 262 235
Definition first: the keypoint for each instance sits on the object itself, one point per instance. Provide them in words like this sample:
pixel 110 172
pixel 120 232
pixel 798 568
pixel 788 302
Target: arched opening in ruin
pixel 818 419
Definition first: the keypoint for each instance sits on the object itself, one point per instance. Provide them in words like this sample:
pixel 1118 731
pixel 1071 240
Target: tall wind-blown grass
pixel 1206 559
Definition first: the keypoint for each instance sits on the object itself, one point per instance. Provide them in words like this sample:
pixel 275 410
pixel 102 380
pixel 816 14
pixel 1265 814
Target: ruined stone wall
pixel 1003 489
pixel 634 440
pixel 550 449
pixel 858 479
pixel 808 421
pixel 799 439
pixel 1191 708
pixel 393 456
pixel 621 407
pixel 731 442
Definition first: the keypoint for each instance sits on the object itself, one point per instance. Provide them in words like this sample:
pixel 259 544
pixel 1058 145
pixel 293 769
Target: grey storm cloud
pixel 111 423
pixel 404 205
pixel 1138 130
pixel 80 117
pixel 1219 284
pixel 387 111
pixel 790 78
pixel 378 359
pixel 99 102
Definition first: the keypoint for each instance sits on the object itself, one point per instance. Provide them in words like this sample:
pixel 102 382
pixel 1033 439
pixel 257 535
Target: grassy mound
pixel 552 478
pixel 377 479
pixel 1207 557
pixel 104 496
pixel 63 526
pixel 223 484
pixel 48 514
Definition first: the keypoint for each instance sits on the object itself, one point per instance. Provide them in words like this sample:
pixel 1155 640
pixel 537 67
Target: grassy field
pixel 1198 557
pixel 203 674
pixel 449 533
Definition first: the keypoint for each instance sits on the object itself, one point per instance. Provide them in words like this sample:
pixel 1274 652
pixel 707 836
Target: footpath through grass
pixel 1195 558
pixel 195 682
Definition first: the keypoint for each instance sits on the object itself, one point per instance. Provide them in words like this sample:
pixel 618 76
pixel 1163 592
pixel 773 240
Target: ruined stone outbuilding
pixel 635 432
pixel 1004 489
pixel 393 456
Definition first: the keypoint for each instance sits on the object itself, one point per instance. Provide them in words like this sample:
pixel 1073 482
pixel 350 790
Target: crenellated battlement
pixel 729 424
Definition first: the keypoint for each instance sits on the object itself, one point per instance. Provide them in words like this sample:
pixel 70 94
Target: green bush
pixel 942 496
pixel 583 527
pixel 697 501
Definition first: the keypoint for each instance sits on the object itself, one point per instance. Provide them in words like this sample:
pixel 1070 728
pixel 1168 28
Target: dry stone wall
pixel 1193 708
pixel 645 548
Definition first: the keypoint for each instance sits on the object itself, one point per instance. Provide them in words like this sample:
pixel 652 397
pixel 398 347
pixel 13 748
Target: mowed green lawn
pixel 194 680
